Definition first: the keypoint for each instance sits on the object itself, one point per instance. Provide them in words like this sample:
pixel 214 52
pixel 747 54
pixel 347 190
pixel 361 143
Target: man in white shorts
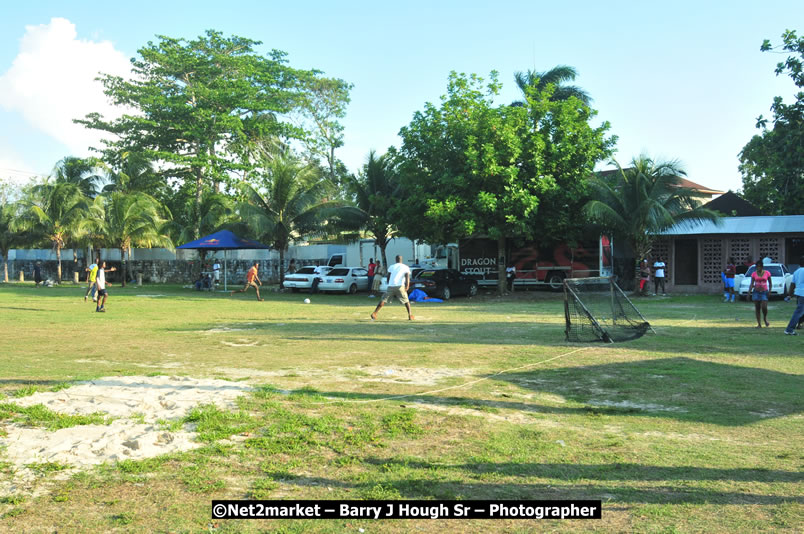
pixel 398 286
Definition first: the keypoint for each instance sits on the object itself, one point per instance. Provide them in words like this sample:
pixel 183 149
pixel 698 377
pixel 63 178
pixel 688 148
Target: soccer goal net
pixel 596 309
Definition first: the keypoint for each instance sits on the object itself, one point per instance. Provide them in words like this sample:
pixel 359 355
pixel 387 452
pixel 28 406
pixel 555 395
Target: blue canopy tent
pixel 223 240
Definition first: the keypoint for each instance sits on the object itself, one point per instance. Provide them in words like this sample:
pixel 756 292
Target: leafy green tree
pixel 643 200
pixel 195 102
pixel 286 201
pixel 134 173
pixel 375 193
pixel 54 213
pixel 557 76
pixel 323 103
pixel 11 233
pixel 128 220
pixel 772 163
pixel 470 167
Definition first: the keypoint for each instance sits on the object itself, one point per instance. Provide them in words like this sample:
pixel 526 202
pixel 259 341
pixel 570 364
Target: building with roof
pixel 696 253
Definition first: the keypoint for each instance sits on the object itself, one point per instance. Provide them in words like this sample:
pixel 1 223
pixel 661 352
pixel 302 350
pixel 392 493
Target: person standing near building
pixel 379 272
pixel 644 277
pixel 761 282
pixel 317 272
pixel 252 280
pixel 730 271
pixel 658 276
pixel 398 286
pixel 797 290
pixel 292 267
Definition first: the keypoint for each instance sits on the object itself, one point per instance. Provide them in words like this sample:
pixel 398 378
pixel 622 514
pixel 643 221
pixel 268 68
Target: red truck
pixel 535 264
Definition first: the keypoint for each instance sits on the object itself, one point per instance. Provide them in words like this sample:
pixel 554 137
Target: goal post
pixel 596 309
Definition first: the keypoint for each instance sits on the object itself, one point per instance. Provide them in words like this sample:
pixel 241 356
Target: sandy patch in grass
pixel 135 402
pixel 417 376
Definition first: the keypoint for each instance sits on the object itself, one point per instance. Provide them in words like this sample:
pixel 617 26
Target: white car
pixel 345 279
pixel 303 278
pixel 781 279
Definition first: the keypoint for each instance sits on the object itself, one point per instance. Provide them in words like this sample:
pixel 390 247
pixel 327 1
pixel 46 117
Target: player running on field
pixel 398 286
pixel 252 280
pixel 100 280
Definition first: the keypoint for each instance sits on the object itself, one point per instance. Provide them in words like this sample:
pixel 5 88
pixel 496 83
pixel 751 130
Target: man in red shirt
pixel 252 280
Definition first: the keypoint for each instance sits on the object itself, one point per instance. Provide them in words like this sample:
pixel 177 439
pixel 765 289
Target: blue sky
pixel 681 80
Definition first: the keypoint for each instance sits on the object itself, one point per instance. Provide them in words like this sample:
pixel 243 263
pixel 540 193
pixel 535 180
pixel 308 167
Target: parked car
pixel 444 283
pixel 346 279
pixel 303 278
pixel 781 279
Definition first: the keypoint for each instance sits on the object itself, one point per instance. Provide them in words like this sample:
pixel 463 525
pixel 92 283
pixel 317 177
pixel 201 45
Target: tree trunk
pixel 199 182
pixel 123 265
pixel 281 266
pixel 384 244
pixel 58 269
pixel 501 281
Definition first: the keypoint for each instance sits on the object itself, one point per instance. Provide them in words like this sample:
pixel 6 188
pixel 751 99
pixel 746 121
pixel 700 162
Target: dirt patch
pixel 137 404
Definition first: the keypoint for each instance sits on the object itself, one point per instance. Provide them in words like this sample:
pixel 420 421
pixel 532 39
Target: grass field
pixel 697 428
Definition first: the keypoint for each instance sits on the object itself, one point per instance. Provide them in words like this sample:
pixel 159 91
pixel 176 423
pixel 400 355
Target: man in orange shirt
pixel 252 280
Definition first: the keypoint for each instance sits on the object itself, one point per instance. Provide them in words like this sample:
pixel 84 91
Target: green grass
pixel 697 428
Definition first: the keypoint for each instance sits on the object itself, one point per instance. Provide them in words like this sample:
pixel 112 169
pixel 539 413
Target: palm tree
pixel 374 192
pixel 135 174
pixel 556 76
pixel 11 233
pixel 55 213
pixel 642 201
pixel 87 174
pixel 128 220
pixel 289 204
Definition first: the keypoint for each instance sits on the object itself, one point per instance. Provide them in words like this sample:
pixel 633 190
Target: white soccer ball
pixel 307 301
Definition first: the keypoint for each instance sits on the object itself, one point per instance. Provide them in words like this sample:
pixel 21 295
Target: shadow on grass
pixel 681 389
pixel 419 482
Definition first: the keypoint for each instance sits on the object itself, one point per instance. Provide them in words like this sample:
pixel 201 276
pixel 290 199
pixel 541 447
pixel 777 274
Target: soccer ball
pixel 307 301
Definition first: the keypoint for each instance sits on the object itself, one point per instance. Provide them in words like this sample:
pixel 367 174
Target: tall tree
pixel 11 233
pixel 772 163
pixel 375 193
pixel 557 76
pixel 470 167
pixel 127 220
pixel 55 212
pixel 642 201
pixel 323 103
pixel 286 201
pixel 193 100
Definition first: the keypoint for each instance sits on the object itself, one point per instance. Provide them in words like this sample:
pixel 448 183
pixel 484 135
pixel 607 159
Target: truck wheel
pixel 473 290
pixel 555 280
pixel 353 289
pixel 445 293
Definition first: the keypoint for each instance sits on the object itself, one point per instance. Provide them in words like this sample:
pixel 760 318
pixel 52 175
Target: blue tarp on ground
pixel 223 240
pixel 417 295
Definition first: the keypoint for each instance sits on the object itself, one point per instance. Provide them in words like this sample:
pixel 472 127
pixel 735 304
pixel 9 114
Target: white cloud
pixel 52 81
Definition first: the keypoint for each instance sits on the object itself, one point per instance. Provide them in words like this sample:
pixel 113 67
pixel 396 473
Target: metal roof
pixel 777 224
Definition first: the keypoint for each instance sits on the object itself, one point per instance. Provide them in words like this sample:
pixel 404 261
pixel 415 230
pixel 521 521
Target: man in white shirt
pixel 398 286
pixel 658 275
pixel 797 289
pixel 216 272
pixel 100 280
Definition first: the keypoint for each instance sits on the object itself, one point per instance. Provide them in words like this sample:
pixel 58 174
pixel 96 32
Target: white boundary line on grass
pixel 465 384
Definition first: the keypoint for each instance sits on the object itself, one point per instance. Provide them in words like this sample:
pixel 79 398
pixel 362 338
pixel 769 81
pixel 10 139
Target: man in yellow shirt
pixel 92 275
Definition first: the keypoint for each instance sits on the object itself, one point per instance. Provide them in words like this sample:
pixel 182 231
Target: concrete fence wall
pixel 166 266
